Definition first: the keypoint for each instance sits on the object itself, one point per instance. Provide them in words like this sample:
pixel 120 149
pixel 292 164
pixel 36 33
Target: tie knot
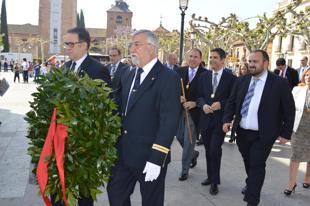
pixel 140 70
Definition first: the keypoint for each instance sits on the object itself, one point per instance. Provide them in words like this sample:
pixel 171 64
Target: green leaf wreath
pixel 86 107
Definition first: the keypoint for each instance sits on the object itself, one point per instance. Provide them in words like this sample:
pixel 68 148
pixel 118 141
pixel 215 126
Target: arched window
pixel 119 19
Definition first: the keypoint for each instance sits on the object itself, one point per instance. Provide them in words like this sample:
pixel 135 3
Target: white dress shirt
pixel 190 72
pixel 78 62
pixel 251 120
pixel 146 70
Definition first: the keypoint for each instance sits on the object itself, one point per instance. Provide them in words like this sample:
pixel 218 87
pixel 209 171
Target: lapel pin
pixel 153 78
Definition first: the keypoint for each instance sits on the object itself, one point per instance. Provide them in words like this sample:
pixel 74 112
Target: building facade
pixel 291 47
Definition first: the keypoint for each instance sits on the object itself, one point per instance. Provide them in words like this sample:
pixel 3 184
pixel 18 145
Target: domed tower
pixel 118 18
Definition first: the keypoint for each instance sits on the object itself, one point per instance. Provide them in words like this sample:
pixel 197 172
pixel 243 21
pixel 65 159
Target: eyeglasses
pixel 71 44
pixel 137 44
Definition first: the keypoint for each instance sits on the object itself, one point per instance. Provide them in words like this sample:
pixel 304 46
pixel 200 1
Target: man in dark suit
pixel 213 91
pixel 150 112
pixel 77 41
pixel 172 62
pixel 260 118
pixel 303 67
pixel 116 67
pixel 188 126
pixel 287 72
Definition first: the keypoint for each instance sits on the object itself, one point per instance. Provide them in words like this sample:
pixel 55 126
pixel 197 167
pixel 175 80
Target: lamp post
pixel 183 6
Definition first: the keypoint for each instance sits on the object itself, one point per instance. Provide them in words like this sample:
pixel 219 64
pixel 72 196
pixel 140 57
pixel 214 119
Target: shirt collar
pixel 80 61
pixel 219 73
pixel 147 68
pixel 262 77
pixel 116 65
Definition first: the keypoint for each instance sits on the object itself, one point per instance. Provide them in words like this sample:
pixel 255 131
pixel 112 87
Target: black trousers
pixel 81 202
pixel 122 183
pixel 254 153
pixel 213 139
pixel 16 75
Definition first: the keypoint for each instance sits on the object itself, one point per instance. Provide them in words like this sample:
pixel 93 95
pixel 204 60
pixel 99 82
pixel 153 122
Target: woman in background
pixel 301 137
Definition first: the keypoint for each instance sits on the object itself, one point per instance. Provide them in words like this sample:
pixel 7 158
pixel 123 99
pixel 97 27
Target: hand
pixel 189 105
pixel 216 106
pixel 151 171
pixel 207 109
pixel 282 140
pixel 227 127
pixel 182 99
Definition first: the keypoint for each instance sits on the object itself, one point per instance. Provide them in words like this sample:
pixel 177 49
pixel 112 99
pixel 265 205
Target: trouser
pixel 184 139
pixel 122 183
pixel 254 154
pixel 25 76
pixel 16 75
pixel 213 139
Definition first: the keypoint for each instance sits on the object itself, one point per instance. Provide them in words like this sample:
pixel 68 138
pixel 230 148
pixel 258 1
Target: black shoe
pixel 183 177
pixel 305 185
pixel 194 160
pixel 206 182
pixel 244 189
pixel 288 192
pixel 214 189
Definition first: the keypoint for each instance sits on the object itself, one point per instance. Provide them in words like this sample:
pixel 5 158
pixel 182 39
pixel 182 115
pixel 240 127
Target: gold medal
pixel 187 86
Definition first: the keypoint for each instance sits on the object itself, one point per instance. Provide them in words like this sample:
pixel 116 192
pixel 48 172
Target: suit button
pixel 123 114
pixel 125 131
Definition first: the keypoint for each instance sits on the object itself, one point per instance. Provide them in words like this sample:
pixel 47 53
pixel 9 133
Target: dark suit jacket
pixel 205 90
pixel 276 112
pixel 94 69
pixel 122 69
pixel 291 76
pixel 191 90
pixel 150 124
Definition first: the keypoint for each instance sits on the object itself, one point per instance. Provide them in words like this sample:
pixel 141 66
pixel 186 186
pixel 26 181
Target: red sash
pixel 57 134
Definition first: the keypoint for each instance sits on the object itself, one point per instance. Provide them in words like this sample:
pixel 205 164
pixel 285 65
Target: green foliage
pixel 86 107
pixel 4 28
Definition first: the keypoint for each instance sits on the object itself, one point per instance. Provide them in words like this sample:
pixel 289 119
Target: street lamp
pixel 183 6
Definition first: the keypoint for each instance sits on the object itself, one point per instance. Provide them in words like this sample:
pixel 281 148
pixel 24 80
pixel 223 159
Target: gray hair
pixel 151 37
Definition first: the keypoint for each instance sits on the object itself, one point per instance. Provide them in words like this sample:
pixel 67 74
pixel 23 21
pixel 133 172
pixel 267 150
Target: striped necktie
pixel 248 98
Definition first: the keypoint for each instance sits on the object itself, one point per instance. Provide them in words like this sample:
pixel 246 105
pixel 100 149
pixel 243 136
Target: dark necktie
pixel 73 66
pixel 135 87
pixel 113 69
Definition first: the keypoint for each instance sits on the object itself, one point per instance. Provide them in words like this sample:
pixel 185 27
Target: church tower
pixel 118 19
pixel 55 18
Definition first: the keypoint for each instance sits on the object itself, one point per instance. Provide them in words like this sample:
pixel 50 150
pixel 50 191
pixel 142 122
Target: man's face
pixel 216 63
pixel 304 62
pixel 256 64
pixel 141 51
pixel 172 59
pixel 73 47
pixel 114 56
pixel 194 59
pixel 281 67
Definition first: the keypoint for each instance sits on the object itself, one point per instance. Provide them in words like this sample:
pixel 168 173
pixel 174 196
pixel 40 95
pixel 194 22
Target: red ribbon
pixel 57 134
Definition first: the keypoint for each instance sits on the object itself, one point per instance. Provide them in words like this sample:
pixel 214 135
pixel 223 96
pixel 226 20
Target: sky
pixel 146 13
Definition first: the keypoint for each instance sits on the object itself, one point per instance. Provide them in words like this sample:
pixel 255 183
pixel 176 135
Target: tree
pixel 4 28
pixel 77 19
pixel 231 29
pixel 299 24
pixel 82 21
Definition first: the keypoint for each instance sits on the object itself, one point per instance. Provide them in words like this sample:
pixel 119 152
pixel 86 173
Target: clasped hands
pixel 187 104
pixel 210 109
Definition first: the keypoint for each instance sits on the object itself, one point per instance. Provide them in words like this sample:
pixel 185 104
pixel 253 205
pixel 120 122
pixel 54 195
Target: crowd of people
pixel 158 102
